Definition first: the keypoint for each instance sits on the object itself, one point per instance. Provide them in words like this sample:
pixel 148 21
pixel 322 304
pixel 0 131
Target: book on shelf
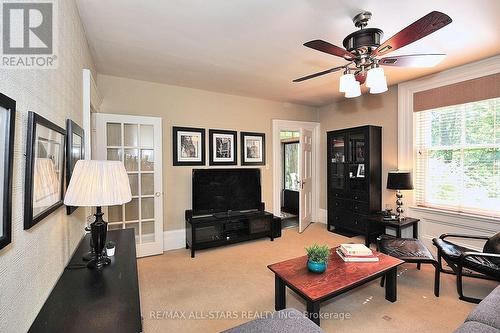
pixel 355 249
pixel 347 258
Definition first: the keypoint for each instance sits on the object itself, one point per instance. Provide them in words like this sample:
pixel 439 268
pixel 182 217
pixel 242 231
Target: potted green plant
pixel 317 257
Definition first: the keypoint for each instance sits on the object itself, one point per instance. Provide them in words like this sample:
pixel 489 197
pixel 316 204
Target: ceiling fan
pixel 363 51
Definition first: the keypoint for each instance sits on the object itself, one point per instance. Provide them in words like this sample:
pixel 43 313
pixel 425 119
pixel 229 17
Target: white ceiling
pixel 254 47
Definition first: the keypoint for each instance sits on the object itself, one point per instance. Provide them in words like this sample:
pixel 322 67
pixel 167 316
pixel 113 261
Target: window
pixel 458 157
pixel 291 151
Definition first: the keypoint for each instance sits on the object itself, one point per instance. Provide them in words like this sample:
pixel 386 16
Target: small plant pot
pixel 316 267
pixel 110 248
pixel 110 252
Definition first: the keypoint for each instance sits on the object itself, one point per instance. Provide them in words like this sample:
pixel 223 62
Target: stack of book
pixel 356 253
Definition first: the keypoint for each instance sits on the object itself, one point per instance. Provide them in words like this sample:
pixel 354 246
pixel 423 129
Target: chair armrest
pixel 477 254
pixel 443 236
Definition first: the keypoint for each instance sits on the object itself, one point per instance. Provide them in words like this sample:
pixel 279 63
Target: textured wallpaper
pixel 32 263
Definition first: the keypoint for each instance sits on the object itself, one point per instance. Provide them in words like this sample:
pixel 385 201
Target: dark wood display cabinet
pixel 354 179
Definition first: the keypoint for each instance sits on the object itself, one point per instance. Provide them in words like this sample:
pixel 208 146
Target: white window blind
pixel 458 157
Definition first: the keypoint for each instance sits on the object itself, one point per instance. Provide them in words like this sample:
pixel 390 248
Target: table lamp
pixel 399 180
pixel 97 184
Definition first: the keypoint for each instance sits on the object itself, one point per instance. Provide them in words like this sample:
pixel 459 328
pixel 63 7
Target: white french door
pixel 305 172
pixel 137 142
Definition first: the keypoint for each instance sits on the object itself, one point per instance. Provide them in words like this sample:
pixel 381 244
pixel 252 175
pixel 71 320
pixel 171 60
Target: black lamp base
pixel 98 230
pixel 88 256
pixel 98 263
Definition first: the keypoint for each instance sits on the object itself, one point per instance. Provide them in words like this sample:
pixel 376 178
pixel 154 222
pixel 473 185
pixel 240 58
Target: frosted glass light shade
pixel 98 183
pixel 354 90
pixel 374 77
pixel 346 81
pixel 379 87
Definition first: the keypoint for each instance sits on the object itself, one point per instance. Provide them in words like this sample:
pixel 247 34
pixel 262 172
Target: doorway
pixel 136 141
pixel 300 176
pixel 290 146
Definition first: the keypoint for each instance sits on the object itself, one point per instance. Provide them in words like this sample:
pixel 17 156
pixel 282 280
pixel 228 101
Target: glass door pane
pixel 291 151
pixel 357 147
pixel 337 146
pixel 133 143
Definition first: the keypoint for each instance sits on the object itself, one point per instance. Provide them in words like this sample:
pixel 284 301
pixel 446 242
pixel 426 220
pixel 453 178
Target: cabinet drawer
pixel 335 217
pixel 337 194
pixel 358 222
pixel 359 196
pixel 359 207
pixel 338 204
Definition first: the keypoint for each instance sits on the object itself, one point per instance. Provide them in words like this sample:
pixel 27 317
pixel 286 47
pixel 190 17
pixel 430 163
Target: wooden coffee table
pixel 339 277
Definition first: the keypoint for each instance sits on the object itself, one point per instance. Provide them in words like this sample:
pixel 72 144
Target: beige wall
pixel 32 263
pixel 179 106
pixel 381 110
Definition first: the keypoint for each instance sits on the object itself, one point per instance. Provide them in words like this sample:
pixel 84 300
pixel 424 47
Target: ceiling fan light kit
pixel 354 90
pixel 376 80
pixel 346 81
pixel 363 48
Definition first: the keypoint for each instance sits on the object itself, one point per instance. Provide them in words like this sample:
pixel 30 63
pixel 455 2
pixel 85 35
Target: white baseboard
pixel 322 216
pixel 174 239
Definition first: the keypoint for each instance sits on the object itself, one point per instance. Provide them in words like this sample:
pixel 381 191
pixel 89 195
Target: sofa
pixel 284 321
pixel 485 318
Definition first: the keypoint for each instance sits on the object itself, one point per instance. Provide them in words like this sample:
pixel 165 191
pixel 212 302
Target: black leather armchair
pixel 483 265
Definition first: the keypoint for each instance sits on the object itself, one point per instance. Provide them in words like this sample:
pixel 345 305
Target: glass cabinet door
pixel 337 176
pixel 357 148
pixel 356 162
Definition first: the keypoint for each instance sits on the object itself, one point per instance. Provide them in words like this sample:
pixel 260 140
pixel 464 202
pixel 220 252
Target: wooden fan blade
pixel 413 60
pixel 331 70
pixel 418 29
pixel 321 45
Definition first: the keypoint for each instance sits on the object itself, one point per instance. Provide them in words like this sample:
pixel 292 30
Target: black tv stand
pixel 220 229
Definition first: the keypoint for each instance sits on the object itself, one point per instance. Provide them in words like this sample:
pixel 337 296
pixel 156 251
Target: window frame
pixel 405 157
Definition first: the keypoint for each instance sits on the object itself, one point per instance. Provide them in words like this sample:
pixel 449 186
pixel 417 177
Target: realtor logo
pixel 28 34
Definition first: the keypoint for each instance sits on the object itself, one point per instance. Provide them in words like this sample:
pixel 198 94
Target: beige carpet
pixel 224 287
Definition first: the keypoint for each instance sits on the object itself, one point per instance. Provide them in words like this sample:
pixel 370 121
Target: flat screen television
pixel 223 190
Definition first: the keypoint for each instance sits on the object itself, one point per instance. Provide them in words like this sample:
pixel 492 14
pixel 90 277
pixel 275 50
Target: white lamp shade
pixel 379 87
pixel 354 90
pixel 98 183
pixel 346 81
pixel 374 77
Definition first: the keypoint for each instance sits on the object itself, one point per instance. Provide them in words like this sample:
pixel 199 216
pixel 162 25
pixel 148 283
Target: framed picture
pixel 253 148
pixel 188 146
pixel 44 169
pixel 7 129
pixel 75 150
pixel 361 171
pixel 223 147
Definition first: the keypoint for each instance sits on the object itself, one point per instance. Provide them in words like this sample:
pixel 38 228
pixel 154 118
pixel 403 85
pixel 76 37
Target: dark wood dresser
pixel 354 179
pixel 85 300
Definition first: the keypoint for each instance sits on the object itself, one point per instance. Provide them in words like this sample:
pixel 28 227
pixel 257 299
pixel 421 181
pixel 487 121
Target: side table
pixel 398 225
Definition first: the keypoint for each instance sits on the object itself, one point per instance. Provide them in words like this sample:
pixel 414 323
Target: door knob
pixel 157 194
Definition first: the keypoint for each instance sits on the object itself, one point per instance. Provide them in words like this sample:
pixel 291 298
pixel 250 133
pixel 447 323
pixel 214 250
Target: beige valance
pixel 478 89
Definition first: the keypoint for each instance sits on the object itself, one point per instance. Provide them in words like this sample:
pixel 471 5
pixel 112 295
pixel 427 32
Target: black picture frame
pixel 9 107
pixel 72 130
pixel 213 133
pixel 34 121
pixel 245 160
pixel 178 160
